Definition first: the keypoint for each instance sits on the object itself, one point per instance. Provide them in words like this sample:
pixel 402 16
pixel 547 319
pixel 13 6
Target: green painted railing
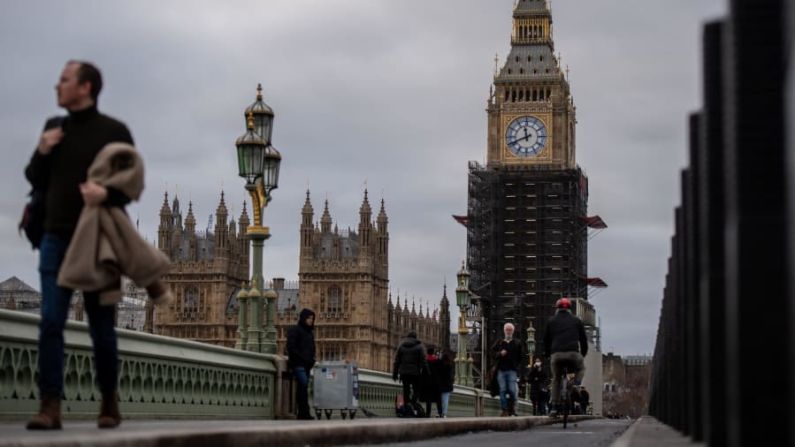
pixel 164 377
pixel 158 376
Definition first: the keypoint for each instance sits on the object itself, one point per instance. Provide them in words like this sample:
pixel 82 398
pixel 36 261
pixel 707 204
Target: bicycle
pixel 565 405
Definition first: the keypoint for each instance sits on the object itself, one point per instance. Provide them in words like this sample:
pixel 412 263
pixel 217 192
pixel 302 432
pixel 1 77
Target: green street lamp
pixel 463 298
pixel 531 349
pixel 258 163
pixel 531 341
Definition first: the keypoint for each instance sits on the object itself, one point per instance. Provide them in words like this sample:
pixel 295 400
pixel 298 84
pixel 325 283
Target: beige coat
pixel 105 244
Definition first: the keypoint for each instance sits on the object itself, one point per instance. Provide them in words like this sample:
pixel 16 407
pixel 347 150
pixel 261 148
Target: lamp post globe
pixel 263 117
pixel 531 340
pixel 271 162
pixel 462 295
pixel 251 149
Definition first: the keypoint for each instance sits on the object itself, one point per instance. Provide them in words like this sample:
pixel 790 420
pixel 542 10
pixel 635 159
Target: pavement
pixel 216 433
pixel 593 433
pixel 649 432
pixel 646 432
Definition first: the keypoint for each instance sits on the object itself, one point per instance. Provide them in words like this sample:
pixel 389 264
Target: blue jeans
pixel 55 302
pixel 301 390
pixel 507 381
pixel 445 402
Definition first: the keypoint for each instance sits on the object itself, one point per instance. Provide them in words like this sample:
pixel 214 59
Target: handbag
pixel 32 221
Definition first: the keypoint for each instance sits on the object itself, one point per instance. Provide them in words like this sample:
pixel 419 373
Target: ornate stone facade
pixel 344 278
pixel 207 270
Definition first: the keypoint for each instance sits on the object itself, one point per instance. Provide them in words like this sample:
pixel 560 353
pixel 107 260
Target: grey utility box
pixel 336 387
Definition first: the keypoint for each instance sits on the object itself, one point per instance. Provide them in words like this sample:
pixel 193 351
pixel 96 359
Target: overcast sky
pixel 387 94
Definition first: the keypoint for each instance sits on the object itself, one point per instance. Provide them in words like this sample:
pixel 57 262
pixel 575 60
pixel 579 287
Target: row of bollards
pixel 723 356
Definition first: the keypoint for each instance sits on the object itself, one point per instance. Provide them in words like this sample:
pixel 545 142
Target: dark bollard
pixel 711 190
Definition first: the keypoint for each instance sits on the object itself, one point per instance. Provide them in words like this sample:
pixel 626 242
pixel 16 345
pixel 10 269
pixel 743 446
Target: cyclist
pixel 565 343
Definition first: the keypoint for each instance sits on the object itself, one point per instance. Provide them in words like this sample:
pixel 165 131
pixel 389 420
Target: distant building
pixel 16 295
pixel 207 269
pixel 344 278
pixel 626 384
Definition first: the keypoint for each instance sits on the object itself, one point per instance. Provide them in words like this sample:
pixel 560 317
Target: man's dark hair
pixel 88 72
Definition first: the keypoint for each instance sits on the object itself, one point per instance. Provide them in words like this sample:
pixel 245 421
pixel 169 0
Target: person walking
pixel 409 365
pixel 544 399
pixel 445 373
pixel 510 358
pixel 537 379
pixel 59 166
pixel 430 383
pixel 301 359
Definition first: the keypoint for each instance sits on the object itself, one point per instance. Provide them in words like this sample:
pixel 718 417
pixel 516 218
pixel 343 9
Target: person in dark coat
pixel 58 169
pixel 410 364
pixel 445 376
pixel 430 384
pixel 301 359
pixel 544 399
pixel 510 359
pixel 537 379
pixel 566 344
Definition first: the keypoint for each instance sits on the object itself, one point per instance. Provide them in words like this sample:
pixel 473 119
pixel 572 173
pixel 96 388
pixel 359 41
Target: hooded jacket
pixel 301 342
pixel 410 358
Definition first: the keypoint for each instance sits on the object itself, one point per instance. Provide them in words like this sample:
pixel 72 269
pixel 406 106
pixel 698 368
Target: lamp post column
pixel 461 363
pixel 242 319
pixel 269 336
pixel 531 350
pixel 258 235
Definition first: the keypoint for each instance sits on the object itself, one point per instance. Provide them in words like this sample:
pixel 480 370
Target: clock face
pixel 526 136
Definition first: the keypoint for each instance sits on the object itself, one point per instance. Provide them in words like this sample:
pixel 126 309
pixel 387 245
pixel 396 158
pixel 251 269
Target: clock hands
pixel 525 137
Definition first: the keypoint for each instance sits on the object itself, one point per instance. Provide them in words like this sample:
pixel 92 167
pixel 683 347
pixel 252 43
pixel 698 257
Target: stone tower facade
pixel 344 277
pixel 207 270
pixel 526 220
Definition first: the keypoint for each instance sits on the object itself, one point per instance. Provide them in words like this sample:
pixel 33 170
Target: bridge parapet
pixel 158 376
pixel 169 378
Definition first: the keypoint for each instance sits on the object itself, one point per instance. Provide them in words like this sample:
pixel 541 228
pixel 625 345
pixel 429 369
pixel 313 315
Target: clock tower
pixel 531 111
pixel 527 227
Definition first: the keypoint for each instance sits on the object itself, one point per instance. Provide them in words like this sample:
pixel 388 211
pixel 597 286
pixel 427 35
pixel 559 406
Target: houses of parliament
pixel 343 276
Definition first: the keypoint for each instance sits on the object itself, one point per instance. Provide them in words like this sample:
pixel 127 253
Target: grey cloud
pixel 392 93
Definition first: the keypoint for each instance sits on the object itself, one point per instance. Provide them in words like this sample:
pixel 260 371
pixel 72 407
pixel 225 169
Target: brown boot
pixel 109 414
pixel 512 408
pixel 504 413
pixel 49 416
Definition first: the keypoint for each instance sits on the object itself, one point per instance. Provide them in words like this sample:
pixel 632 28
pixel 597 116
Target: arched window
pixel 334 299
pixel 191 302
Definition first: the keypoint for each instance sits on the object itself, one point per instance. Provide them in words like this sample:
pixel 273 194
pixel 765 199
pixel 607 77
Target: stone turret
pixel 164 230
pixel 243 223
pixel 325 220
pixel 221 229
pixel 307 229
